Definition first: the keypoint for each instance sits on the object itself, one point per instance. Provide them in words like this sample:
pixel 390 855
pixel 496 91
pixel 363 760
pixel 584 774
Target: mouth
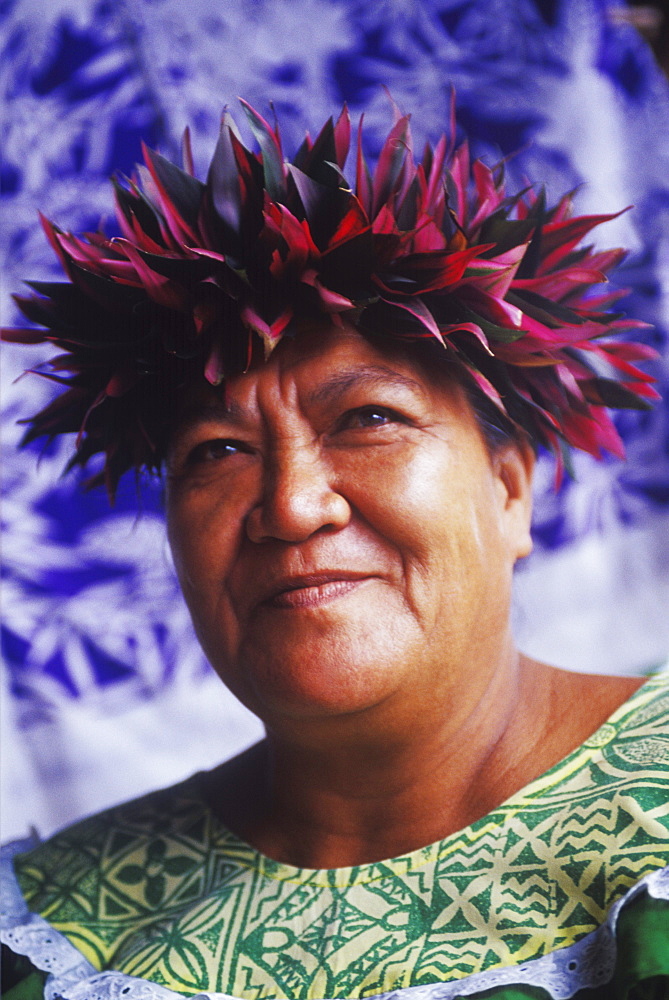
pixel 312 590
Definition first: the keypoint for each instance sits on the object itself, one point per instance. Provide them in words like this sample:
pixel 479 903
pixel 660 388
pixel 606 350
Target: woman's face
pixel 341 534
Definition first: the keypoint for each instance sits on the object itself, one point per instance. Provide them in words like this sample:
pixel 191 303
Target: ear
pixel 513 464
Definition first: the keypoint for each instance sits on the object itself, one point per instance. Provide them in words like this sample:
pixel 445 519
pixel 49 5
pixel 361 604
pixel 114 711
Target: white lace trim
pixel 588 963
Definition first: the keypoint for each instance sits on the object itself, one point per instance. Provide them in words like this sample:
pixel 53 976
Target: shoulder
pixel 641 725
pixel 578 711
pixel 629 704
pixel 579 704
pixel 124 835
pixel 626 752
pixel 599 694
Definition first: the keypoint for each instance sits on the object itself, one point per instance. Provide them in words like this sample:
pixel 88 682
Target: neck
pixel 377 785
pixel 323 803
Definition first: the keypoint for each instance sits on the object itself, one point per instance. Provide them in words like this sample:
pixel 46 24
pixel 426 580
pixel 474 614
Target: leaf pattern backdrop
pixel 108 693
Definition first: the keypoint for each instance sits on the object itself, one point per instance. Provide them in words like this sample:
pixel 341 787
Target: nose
pixel 299 497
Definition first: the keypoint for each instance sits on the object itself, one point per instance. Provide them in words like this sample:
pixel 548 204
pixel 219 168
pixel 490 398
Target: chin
pixel 313 679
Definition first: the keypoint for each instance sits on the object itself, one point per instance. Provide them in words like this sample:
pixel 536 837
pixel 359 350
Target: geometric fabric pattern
pixel 159 889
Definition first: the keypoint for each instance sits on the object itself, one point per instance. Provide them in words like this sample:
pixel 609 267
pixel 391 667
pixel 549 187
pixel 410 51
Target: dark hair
pixel 497 429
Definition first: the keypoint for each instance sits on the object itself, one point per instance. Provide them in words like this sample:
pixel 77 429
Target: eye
pixel 366 417
pixel 214 451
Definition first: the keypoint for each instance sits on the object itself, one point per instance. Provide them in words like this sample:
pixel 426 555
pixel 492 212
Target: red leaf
pixel 23 335
pixel 394 155
pixel 426 272
pixel 342 137
pixel 363 180
pixel 179 227
pixel 631 351
pixel 558 239
pixel 435 178
pixel 622 364
pixel 187 152
pixel 214 371
pixel 52 236
pixel 486 387
pixel 460 174
pixel 332 301
pixel 159 288
pixel 353 223
pixel 492 308
pixel 416 308
pixel 384 222
pixel 471 328
pixel 499 271
pixel 428 237
pixel 121 382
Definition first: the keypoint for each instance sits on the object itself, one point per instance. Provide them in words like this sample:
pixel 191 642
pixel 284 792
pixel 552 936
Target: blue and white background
pixel 105 691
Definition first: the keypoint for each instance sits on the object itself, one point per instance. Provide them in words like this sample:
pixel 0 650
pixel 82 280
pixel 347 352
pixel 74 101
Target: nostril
pixel 294 516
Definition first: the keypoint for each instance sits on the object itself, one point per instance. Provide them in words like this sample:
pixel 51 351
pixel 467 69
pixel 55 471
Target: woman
pixel 348 490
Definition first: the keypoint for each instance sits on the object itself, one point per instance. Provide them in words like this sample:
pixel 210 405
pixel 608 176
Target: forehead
pixel 318 365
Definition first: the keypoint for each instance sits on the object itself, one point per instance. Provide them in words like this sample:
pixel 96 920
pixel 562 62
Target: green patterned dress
pixel 159 889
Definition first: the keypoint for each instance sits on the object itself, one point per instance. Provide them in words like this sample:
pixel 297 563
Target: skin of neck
pixel 386 789
pixel 379 783
pixel 320 800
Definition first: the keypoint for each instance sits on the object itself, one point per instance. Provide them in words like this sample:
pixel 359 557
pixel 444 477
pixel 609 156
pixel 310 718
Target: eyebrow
pixel 196 413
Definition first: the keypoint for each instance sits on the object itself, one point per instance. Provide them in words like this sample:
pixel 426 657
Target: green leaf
pixel 324 206
pixel 347 268
pixel 272 158
pixel 224 192
pixel 186 270
pixel 318 161
pixel 532 258
pixel 156 851
pixel 131 874
pixel 155 889
pixel 106 292
pixel 544 310
pixel 183 191
pixel 135 203
pixel 396 151
pixel 179 866
pixel 504 233
pixel 606 392
pixel 453 311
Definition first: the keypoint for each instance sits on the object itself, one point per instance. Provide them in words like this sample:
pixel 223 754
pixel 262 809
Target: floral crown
pixel 206 273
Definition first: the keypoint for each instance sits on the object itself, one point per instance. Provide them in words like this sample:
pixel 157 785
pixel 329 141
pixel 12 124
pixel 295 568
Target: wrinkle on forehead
pixel 364 375
pixel 222 404
pixel 343 358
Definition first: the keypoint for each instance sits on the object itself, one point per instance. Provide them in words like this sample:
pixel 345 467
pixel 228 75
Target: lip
pixel 311 590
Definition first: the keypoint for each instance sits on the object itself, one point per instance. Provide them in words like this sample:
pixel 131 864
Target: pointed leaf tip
pixel 270 146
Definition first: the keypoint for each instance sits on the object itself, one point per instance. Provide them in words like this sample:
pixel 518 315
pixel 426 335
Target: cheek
pixel 397 482
pixel 440 514
pixel 414 499
pixel 205 521
pixel 205 538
